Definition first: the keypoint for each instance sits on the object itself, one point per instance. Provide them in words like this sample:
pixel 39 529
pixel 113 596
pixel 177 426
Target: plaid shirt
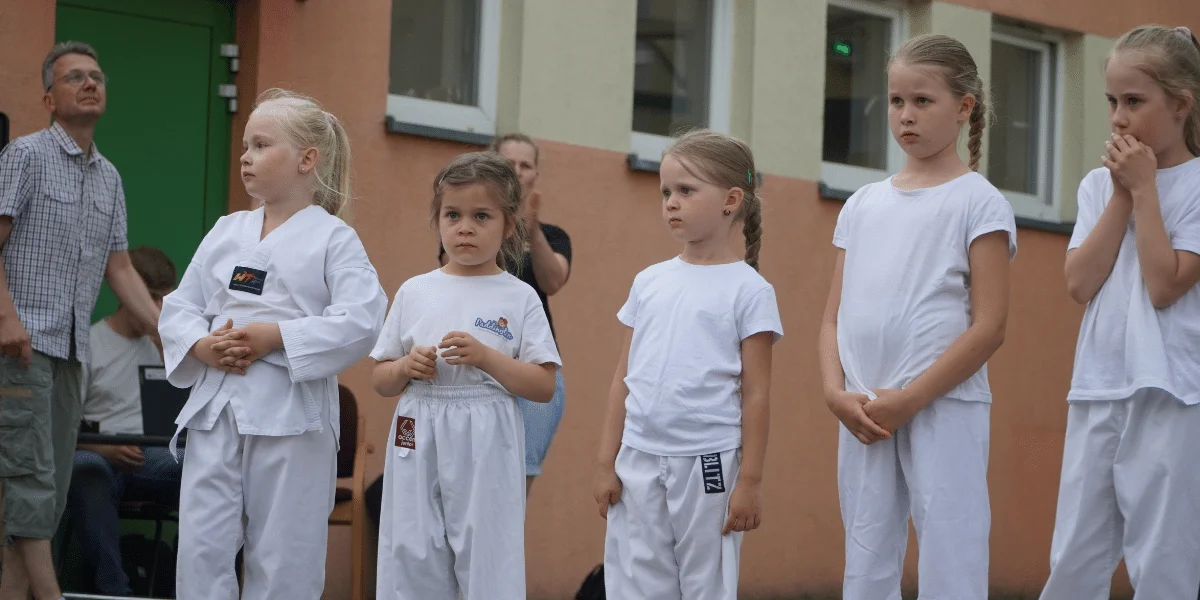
pixel 68 214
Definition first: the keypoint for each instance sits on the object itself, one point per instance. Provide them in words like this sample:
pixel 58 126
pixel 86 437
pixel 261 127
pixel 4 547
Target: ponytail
pixel 975 136
pixel 728 163
pixel 752 226
pixel 961 75
pixel 310 126
pixel 334 194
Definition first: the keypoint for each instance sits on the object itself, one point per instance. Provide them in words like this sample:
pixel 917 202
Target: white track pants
pixel 1130 486
pixel 272 494
pixel 934 467
pixel 453 515
pixel 664 537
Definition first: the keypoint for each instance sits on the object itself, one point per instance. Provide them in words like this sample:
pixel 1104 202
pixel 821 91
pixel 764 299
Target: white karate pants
pixel 934 468
pixel 1130 486
pixel 664 540
pixel 453 514
pixel 271 494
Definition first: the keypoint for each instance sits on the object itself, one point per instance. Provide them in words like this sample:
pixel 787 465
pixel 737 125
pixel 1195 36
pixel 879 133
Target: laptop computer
pixel 161 401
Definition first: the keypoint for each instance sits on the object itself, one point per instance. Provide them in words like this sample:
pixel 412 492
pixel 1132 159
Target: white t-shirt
pixel 111 393
pixel 1125 344
pixel 685 360
pixel 500 311
pixel 906 292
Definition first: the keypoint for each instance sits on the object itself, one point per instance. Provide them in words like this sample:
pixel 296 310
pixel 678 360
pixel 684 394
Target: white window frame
pixel 480 118
pixel 650 147
pixel 849 178
pixel 1046 203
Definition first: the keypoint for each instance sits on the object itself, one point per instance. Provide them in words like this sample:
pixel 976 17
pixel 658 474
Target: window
pixel 681 70
pixel 857 147
pixel 1022 147
pixel 444 63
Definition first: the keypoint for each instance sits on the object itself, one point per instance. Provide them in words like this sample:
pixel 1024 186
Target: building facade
pixel 600 85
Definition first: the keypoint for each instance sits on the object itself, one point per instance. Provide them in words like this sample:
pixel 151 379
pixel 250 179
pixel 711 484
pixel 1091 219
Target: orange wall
pixel 26 35
pixel 1109 18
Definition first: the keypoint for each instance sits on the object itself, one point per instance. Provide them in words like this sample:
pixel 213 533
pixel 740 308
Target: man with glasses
pixel 62 230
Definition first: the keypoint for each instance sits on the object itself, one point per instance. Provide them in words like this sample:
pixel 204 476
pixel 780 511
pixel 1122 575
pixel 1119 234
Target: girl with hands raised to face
pixel 459 345
pixel 1129 478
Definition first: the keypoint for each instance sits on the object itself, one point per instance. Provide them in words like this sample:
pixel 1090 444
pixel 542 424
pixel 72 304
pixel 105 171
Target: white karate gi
pixel 262 447
pixel 681 443
pixel 453 514
pixel 1130 479
pixel 905 299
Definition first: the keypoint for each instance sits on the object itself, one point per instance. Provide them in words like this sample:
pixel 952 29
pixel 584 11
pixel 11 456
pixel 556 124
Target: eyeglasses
pixel 77 78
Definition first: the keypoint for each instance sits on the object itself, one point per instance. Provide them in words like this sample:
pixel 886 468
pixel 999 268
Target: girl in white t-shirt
pixel 1130 483
pixel 461 343
pixel 691 389
pixel 917 306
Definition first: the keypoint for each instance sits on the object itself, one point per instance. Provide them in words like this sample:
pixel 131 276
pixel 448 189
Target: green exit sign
pixel 841 48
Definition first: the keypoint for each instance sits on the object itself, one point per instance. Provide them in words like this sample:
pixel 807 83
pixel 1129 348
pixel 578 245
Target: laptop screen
pixel 161 401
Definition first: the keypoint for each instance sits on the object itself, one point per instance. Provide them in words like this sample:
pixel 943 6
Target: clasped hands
pixel 234 350
pixel 459 348
pixel 873 420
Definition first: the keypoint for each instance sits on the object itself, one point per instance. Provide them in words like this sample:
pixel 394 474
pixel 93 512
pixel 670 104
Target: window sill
pixel 637 163
pixel 1032 212
pixel 438 133
pixel 1047 226
pixel 830 193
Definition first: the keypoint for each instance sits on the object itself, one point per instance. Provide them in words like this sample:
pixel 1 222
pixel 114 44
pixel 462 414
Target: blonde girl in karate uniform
pixel 276 302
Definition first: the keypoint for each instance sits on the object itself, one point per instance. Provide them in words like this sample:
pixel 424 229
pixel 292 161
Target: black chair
pixel 147 510
pixel 349 496
pixel 134 510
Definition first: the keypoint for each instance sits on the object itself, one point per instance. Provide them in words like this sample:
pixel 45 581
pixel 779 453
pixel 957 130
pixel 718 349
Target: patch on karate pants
pixel 406 433
pixel 714 477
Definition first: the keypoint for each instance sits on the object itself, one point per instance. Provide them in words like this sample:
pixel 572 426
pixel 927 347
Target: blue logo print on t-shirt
pixel 498 327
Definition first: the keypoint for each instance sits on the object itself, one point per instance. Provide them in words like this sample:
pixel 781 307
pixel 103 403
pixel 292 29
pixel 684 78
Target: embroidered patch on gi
pixel 714 478
pixel 406 433
pixel 249 280
pixel 498 327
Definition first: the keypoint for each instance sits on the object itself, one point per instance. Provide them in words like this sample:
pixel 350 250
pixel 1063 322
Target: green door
pixel 166 128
